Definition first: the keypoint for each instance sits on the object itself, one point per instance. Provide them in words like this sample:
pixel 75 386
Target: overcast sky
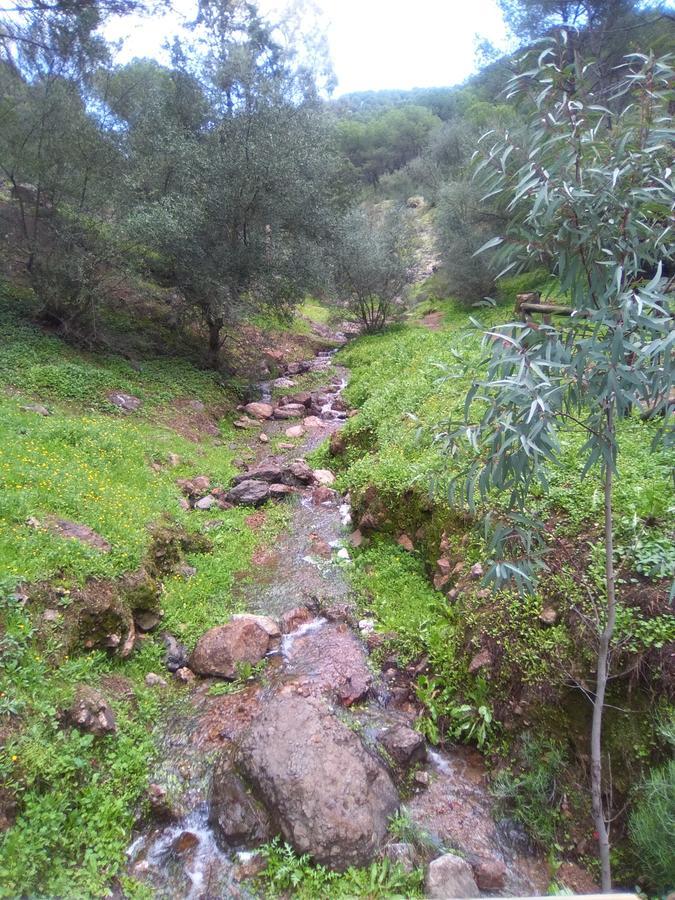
pixel 374 44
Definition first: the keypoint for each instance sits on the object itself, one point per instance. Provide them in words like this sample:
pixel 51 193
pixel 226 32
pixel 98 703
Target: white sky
pixel 374 44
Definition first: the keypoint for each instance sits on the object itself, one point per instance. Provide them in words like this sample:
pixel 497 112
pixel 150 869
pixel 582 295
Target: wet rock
pixel 250 867
pixel 404 745
pixel 206 502
pixel 324 476
pixel 334 662
pixel 402 854
pixel 176 653
pixel 218 650
pixel 266 471
pixel 290 411
pixel 280 491
pixel 422 778
pixel 482 660
pixel 234 814
pixel 268 625
pixel 490 874
pixel 37 408
pixel 249 493
pixel 450 876
pixel 325 794
pixel 405 541
pixel 298 473
pixel 91 712
pixel 154 680
pixel 292 619
pixel 304 398
pixel 159 803
pixel 340 405
pixel 125 402
pixel 259 410
pixel 295 431
pixel 323 494
pixel 283 382
pixel 185 844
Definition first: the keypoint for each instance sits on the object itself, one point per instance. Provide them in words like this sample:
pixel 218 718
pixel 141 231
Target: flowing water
pixel 307 567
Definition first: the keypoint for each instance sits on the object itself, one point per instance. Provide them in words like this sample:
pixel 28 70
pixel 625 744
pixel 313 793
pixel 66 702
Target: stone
pixel 450 876
pixel 290 411
pixel 185 844
pixel 245 422
pixel 323 494
pixel 482 660
pixel 298 368
pixel 176 653
pixel 273 355
pixel 284 445
pixel 283 382
pixel 343 553
pixel 422 778
pixel 173 459
pixel 444 566
pixel 268 625
pixel 404 745
pixel 304 398
pixel 125 402
pixel 312 422
pixel 262 437
pixel 160 805
pixel 154 680
pixel 280 491
pixel 266 471
pixel 548 615
pixel 75 531
pixel 490 873
pixel 324 476
pixel 235 816
pixel 219 649
pixel 249 493
pixel 37 408
pixel 146 619
pixel 51 615
pixel 185 675
pixel 476 570
pixel 297 473
pixel 293 619
pixel 402 854
pixel 295 431
pixel 194 487
pixel 323 791
pixel 206 502
pixel 259 410
pixel 405 542
pixel 91 712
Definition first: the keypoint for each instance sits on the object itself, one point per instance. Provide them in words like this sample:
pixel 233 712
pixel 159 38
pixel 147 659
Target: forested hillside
pixel 336 466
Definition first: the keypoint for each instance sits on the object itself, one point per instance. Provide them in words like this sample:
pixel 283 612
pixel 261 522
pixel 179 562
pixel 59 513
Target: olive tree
pixel 595 195
pixel 372 262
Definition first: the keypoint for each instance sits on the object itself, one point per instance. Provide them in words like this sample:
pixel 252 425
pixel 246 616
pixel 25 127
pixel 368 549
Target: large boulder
pixel 297 473
pixel 234 814
pixel 218 650
pixel 323 791
pixel 404 745
pixel 248 493
pixel 450 876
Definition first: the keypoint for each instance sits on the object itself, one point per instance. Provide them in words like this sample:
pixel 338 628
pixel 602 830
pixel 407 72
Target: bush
pixel 652 826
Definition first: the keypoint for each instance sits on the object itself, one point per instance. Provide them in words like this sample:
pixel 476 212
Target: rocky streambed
pixel 320 746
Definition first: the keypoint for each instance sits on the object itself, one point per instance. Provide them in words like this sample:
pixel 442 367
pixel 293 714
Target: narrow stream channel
pixel 181 858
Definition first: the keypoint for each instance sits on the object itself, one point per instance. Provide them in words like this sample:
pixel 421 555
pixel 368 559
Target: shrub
pixel 652 826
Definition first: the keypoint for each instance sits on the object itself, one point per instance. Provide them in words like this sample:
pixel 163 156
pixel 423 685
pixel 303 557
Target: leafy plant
pixel 652 825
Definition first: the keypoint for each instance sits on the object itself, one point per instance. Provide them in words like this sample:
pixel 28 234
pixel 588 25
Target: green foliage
pixel 288 872
pixel 652 825
pixel 534 793
pixel 445 717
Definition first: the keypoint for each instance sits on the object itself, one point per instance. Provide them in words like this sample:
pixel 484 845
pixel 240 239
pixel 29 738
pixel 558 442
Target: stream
pixel 325 651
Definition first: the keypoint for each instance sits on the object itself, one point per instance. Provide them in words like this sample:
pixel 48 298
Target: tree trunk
pixel 599 819
pixel 213 353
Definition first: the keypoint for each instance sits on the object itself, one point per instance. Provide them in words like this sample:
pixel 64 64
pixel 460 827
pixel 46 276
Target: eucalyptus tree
pixel 599 202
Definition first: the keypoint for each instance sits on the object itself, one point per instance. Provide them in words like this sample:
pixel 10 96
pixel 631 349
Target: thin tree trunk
pixel 213 353
pixel 601 824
